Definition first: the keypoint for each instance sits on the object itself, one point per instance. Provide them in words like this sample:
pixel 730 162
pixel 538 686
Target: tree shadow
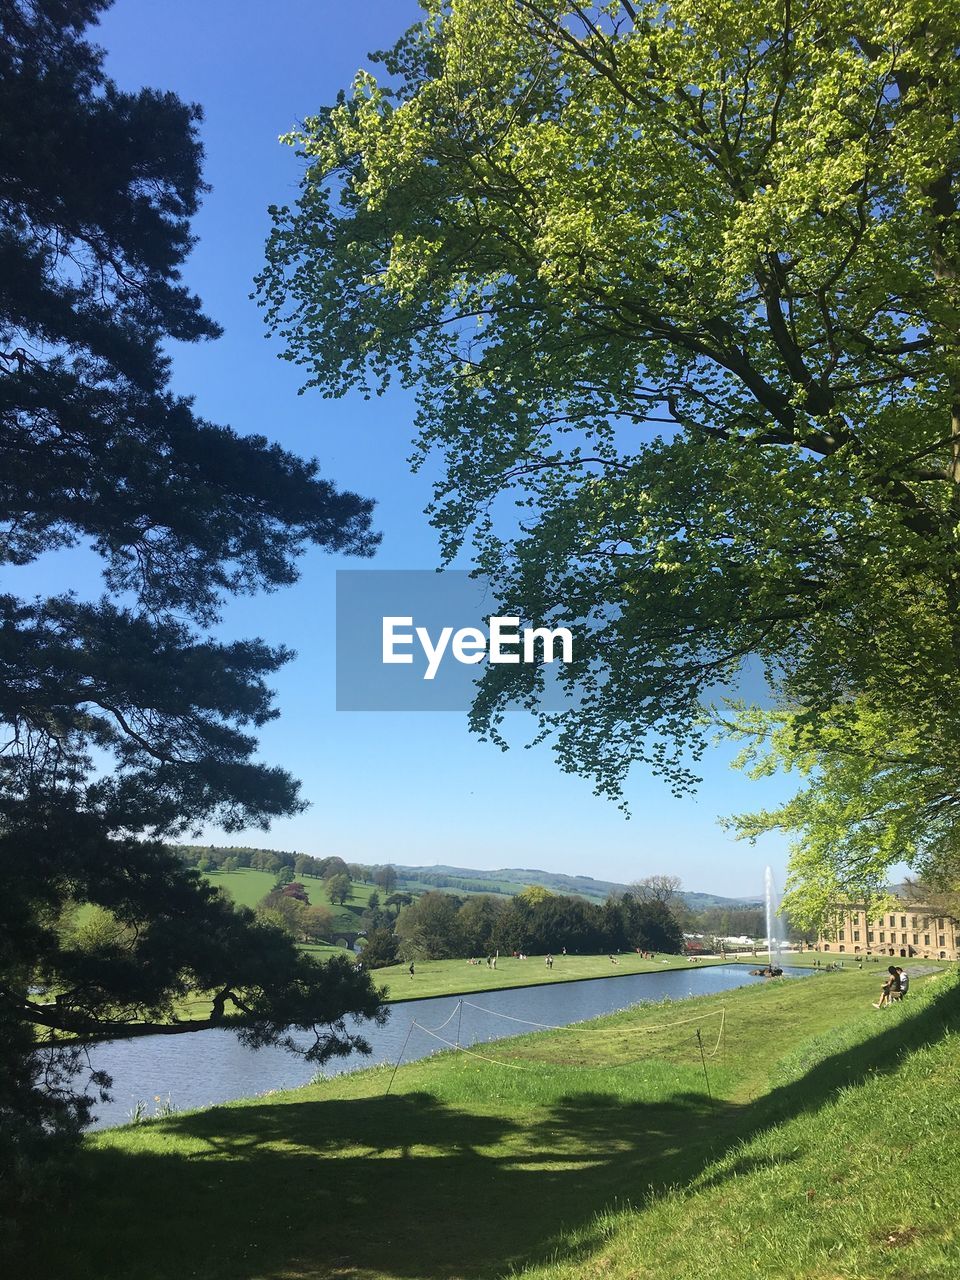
pixel 410 1186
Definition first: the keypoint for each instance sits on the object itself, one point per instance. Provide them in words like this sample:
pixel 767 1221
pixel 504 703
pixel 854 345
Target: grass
pixel 823 1151
pixel 460 977
pixel 246 887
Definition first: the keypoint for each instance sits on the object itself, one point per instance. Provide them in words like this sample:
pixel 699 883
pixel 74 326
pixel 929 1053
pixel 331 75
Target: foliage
pixel 382 948
pixel 125 725
pixel 876 794
pixel 430 927
pixel 338 887
pixel 678 288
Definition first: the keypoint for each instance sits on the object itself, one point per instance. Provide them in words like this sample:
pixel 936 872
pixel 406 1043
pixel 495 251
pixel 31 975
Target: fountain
pixel 774 942
pixel 774 967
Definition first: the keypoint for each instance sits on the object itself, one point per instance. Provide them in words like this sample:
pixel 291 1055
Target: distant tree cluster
pixel 441 925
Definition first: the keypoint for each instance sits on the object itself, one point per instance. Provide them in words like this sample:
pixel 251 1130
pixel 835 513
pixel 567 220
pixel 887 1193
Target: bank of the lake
pixel 214 1067
pixel 462 977
pixel 815 1144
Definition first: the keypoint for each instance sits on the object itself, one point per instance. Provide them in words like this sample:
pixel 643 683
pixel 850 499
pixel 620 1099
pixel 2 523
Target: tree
pixel 431 927
pixel 317 924
pixel 398 900
pixel 876 794
pixel 534 893
pixel 338 887
pixel 284 876
pixel 687 290
pixel 125 725
pixel 385 878
pixel 662 889
pixel 382 948
pixel 478 919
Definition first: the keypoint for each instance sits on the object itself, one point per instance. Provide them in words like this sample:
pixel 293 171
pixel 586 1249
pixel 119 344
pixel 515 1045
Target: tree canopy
pixel 125 723
pixel 678 287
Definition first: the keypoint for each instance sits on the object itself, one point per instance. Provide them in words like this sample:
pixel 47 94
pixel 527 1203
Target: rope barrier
pixel 443 1023
pixel 499 1061
pixel 722 1012
pixel 546 1026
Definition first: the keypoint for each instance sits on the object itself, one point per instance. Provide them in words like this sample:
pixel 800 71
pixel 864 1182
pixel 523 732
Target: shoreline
pixel 680 964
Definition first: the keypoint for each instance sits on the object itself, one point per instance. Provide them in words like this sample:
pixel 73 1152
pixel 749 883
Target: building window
pixel 916 938
pixel 943 941
pixel 940 923
pixel 926 939
pixel 841 948
pixel 856 935
pixel 841 936
pixel 869 935
pixel 893 921
pixel 903 937
pixel 913 923
pixel 882 938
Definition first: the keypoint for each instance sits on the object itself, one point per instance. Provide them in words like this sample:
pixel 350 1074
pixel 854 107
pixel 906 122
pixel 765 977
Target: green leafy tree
pixel 876 793
pixel 397 901
pixel 317 924
pixel 385 878
pixel 478 919
pixel 683 282
pixel 338 887
pixel 431 927
pixel 124 725
pixel 382 948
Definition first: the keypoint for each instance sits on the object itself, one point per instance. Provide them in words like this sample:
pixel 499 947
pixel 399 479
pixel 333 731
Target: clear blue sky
pixel 402 787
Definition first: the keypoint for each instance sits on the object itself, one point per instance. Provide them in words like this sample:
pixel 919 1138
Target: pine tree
pixel 124 725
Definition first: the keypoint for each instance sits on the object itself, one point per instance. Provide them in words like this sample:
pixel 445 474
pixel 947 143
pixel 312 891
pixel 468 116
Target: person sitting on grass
pixel 890 988
pixel 904 983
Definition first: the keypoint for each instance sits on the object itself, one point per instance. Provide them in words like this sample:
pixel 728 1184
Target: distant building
pixel 904 930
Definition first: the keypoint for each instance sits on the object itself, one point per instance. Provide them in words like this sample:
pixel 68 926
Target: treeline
pixel 440 926
pixel 736 922
pixel 440 880
pixel 235 857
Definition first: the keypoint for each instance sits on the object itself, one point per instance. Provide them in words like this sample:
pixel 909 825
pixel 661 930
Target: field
pixel 455 977
pixel 811 1141
pixel 246 887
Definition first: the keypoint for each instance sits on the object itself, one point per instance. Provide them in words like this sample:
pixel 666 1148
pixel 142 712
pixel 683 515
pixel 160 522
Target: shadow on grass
pixel 408 1186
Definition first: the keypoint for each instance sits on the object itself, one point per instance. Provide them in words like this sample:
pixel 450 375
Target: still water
pixel 212 1066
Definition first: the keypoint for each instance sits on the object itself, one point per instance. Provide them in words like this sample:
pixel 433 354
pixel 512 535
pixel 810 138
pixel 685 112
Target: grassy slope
pixel 825 1152
pixel 247 887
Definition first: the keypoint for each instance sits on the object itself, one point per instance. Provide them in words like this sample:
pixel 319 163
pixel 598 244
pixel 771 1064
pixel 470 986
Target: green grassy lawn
pixel 246 887
pixel 822 1151
pixel 460 977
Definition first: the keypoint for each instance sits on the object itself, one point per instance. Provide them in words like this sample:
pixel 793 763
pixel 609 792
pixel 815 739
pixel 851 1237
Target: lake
pixel 206 1067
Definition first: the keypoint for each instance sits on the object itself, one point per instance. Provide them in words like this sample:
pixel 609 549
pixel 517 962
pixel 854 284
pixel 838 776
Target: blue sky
pixel 402 787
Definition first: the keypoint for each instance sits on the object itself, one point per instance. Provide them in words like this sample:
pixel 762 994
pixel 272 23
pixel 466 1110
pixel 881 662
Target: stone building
pixel 904 929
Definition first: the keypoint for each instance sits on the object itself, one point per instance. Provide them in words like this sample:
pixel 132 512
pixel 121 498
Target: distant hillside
pixel 465 880
pixel 510 880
